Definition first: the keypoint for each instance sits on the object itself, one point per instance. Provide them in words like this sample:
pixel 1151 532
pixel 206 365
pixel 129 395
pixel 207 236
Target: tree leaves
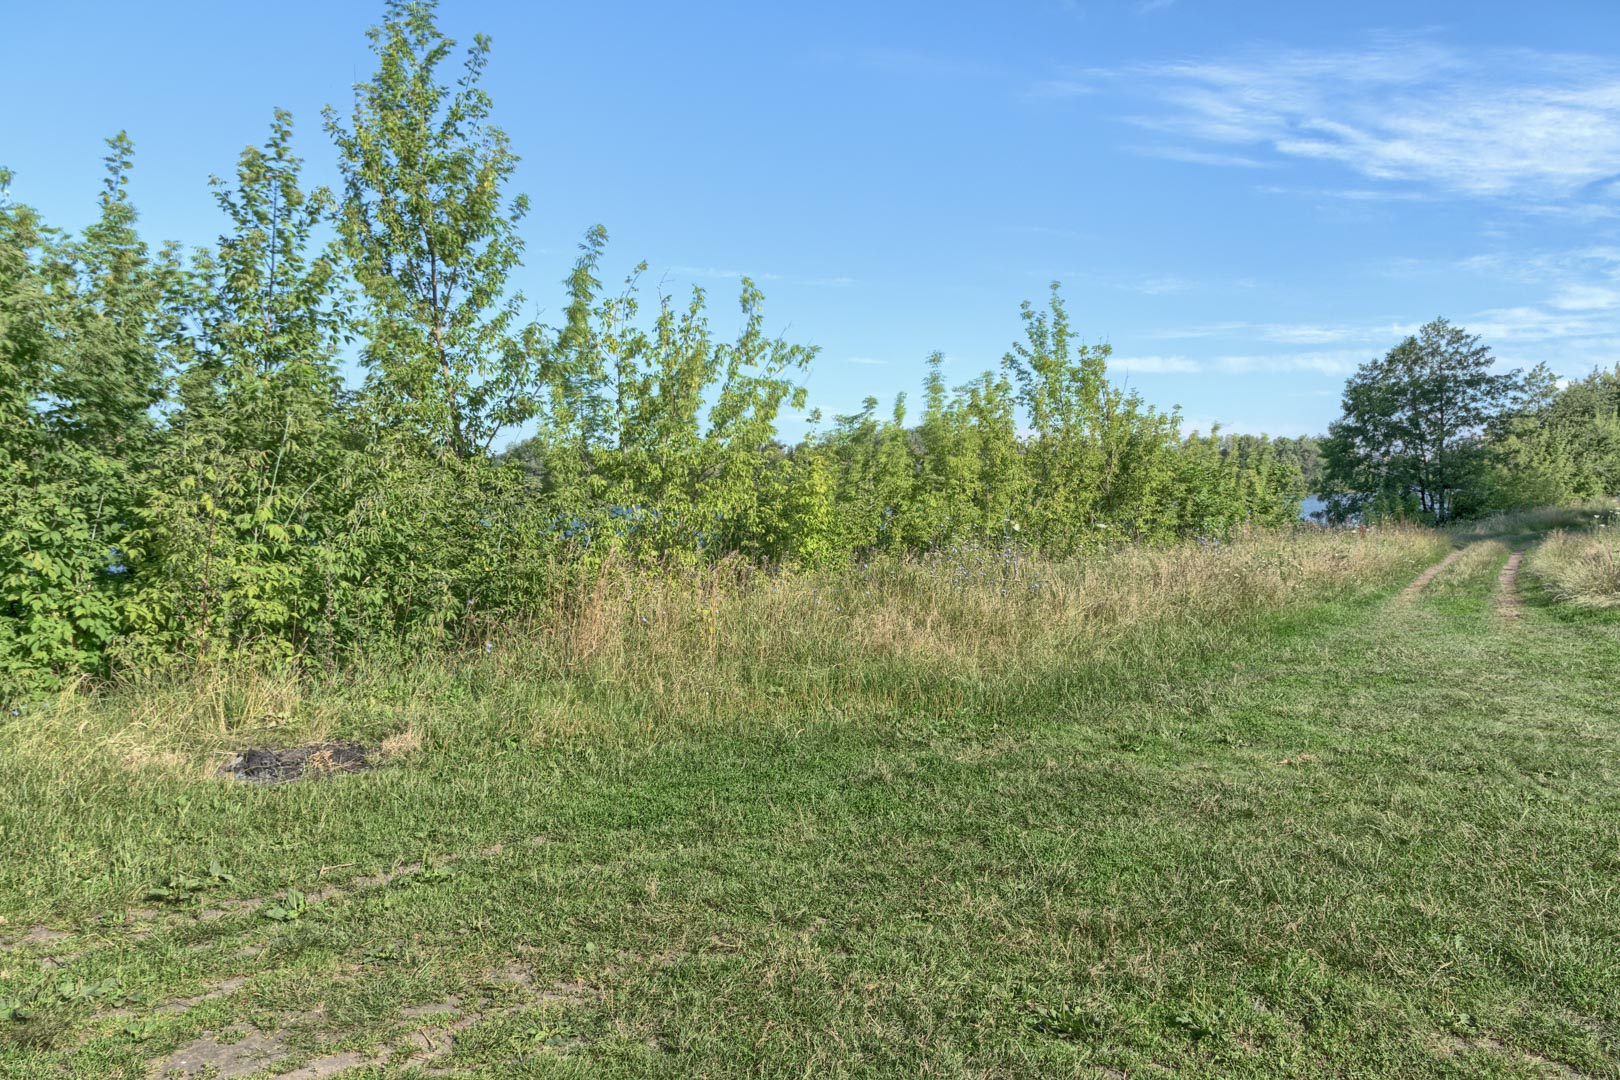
pixel 427 236
pixel 1415 423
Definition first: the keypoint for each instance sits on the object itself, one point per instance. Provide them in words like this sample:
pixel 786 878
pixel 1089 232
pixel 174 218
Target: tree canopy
pixel 1415 424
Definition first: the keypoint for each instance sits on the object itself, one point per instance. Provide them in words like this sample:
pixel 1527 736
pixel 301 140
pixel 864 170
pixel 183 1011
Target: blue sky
pixel 1244 199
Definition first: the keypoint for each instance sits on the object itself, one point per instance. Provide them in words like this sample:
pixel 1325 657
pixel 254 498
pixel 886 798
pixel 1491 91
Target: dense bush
pixel 186 474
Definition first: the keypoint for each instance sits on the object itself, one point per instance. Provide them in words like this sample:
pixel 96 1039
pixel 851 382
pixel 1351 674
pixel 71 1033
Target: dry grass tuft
pixel 169 763
pixel 402 743
pixel 1581 569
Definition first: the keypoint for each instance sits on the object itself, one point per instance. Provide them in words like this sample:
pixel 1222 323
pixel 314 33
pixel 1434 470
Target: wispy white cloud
pixel 866 361
pixel 1334 362
pixel 1154 365
pixel 1178 333
pixel 1571 307
pixel 1534 323
pixel 1499 123
pixel 1293 334
pixel 1585 213
pixel 1325 362
pixel 719 273
pixel 1194 156
pixel 1383 195
pixel 1597 263
pixel 1288 333
pixel 1586 298
pixel 1570 320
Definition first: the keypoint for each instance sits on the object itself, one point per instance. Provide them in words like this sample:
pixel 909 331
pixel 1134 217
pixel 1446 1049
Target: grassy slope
pixel 1358 837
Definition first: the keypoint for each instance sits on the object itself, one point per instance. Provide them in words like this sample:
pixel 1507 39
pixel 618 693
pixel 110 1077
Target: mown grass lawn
pixel 1349 835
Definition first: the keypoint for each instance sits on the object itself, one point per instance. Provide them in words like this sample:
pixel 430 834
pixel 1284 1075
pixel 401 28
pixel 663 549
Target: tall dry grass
pixel 1539 520
pixel 1581 569
pixel 648 651
pixel 965 612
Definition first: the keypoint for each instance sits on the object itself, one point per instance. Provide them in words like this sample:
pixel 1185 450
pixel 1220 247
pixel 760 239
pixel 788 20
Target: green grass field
pixel 1254 811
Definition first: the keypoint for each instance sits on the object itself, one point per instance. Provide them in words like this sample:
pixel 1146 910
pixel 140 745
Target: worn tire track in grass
pixel 1508 603
pixel 141 923
pixel 1472 591
pixel 244 1049
pixel 1419 583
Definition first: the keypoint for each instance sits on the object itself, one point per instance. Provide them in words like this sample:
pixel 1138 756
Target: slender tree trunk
pixel 457 440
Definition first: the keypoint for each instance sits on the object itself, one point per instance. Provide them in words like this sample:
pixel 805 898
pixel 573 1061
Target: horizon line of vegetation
pixel 184 472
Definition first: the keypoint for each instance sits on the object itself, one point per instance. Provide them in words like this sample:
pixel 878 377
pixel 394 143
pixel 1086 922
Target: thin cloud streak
pixel 1154 365
pixel 1191 156
pixel 1336 362
pixel 1483 123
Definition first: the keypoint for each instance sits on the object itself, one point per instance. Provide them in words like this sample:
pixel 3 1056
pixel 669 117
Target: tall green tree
pixel 27 250
pixel 432 238
pixel 876 476
pixel 1414 424
pixel 1305 453
pixel 278 313
pixel 663 435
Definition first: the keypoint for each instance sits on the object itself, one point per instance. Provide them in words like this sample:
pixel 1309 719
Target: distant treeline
pixel 1435 431
pixel 184 472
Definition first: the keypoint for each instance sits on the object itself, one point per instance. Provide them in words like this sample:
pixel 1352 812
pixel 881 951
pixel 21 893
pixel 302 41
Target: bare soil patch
pixel 39 935
pixel 1508 603
pixel 218 1054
